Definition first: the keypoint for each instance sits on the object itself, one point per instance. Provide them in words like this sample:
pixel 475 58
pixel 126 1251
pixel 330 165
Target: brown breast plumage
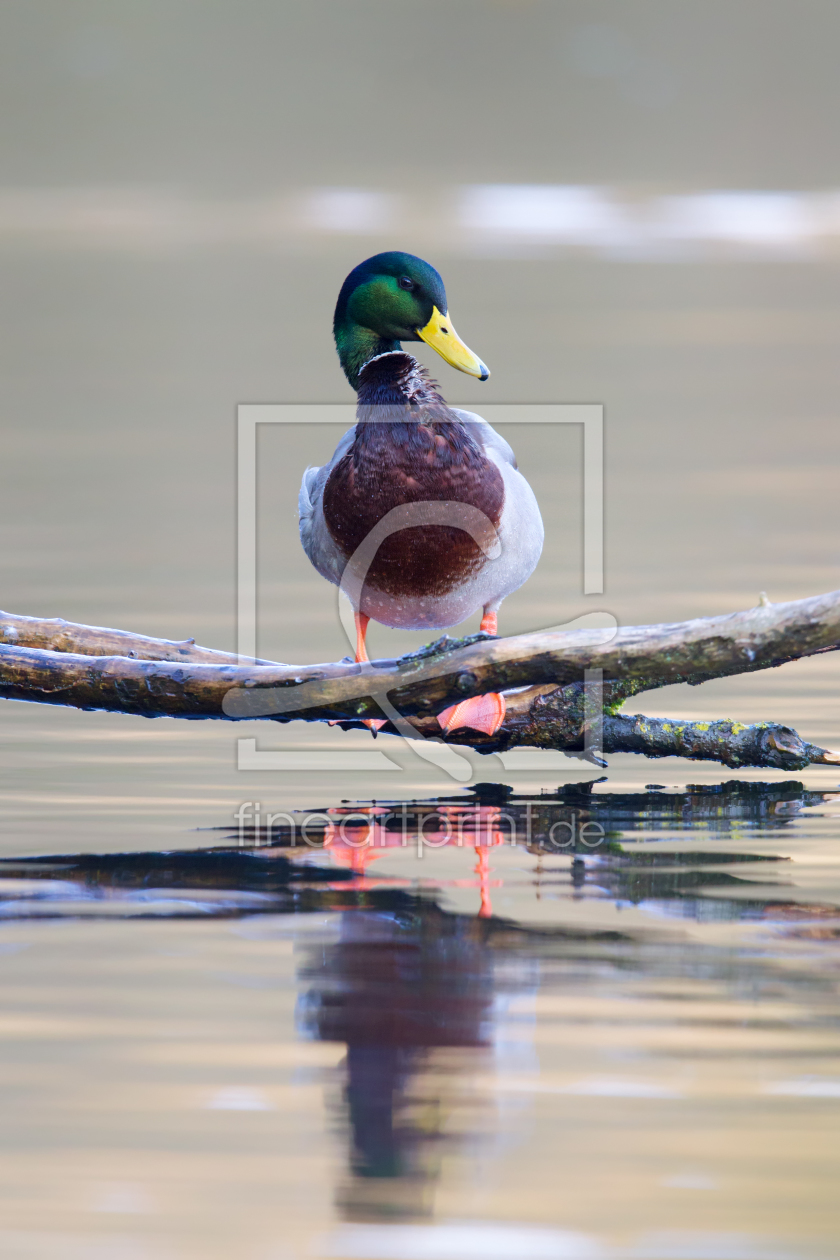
pixel 433 458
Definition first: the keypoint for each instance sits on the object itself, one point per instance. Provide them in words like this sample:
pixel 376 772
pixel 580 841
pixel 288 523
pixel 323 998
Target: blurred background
pixel 636 205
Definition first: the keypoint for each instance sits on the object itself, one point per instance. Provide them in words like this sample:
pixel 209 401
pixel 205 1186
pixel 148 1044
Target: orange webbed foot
pixel 480 713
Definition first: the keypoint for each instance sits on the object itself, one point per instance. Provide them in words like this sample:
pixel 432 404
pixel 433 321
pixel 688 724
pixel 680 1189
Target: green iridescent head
pixel 391 298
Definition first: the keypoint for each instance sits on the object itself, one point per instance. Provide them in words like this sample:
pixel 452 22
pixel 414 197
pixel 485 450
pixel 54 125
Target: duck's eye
pixel 405 283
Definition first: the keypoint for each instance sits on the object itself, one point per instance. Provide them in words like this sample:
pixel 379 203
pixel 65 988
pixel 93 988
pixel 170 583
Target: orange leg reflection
pixel 482 870
pixel 356 844
pixel 358 849
pixel 477 827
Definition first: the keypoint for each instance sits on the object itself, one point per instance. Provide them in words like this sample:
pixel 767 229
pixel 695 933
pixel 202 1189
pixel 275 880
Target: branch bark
pixel 54 634
pixel 56 662
pixel 555 717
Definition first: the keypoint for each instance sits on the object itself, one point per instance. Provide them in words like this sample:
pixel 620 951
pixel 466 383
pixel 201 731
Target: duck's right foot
pixel 479 713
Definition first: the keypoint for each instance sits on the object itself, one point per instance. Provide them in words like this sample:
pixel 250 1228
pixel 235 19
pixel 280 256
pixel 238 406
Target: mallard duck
pixel 481 535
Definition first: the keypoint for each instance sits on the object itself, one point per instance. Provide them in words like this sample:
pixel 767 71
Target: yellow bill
pixel 441 336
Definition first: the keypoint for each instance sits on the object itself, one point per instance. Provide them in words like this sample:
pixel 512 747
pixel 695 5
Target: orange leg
pixel 373 724
pixel 481 713
pixel 361 630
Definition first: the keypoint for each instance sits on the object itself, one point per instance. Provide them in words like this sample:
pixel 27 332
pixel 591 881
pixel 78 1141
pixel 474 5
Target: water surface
pixel 211 1049
pixel 462 1026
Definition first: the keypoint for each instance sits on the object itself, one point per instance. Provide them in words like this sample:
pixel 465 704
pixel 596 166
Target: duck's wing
pixel 316 539
pixel 521 529
pixel 489 438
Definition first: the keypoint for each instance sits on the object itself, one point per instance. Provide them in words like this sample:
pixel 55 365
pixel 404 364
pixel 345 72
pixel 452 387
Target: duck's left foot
pixel 480 713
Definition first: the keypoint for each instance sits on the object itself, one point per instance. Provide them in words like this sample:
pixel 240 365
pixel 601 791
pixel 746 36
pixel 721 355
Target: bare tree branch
pixel 731 743
pixel 56 662
pixel 54 634
pixel 554 717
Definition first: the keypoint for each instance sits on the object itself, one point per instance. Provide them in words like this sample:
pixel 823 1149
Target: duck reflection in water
pixel 409 986
pixel 397 988
pixel 403 985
